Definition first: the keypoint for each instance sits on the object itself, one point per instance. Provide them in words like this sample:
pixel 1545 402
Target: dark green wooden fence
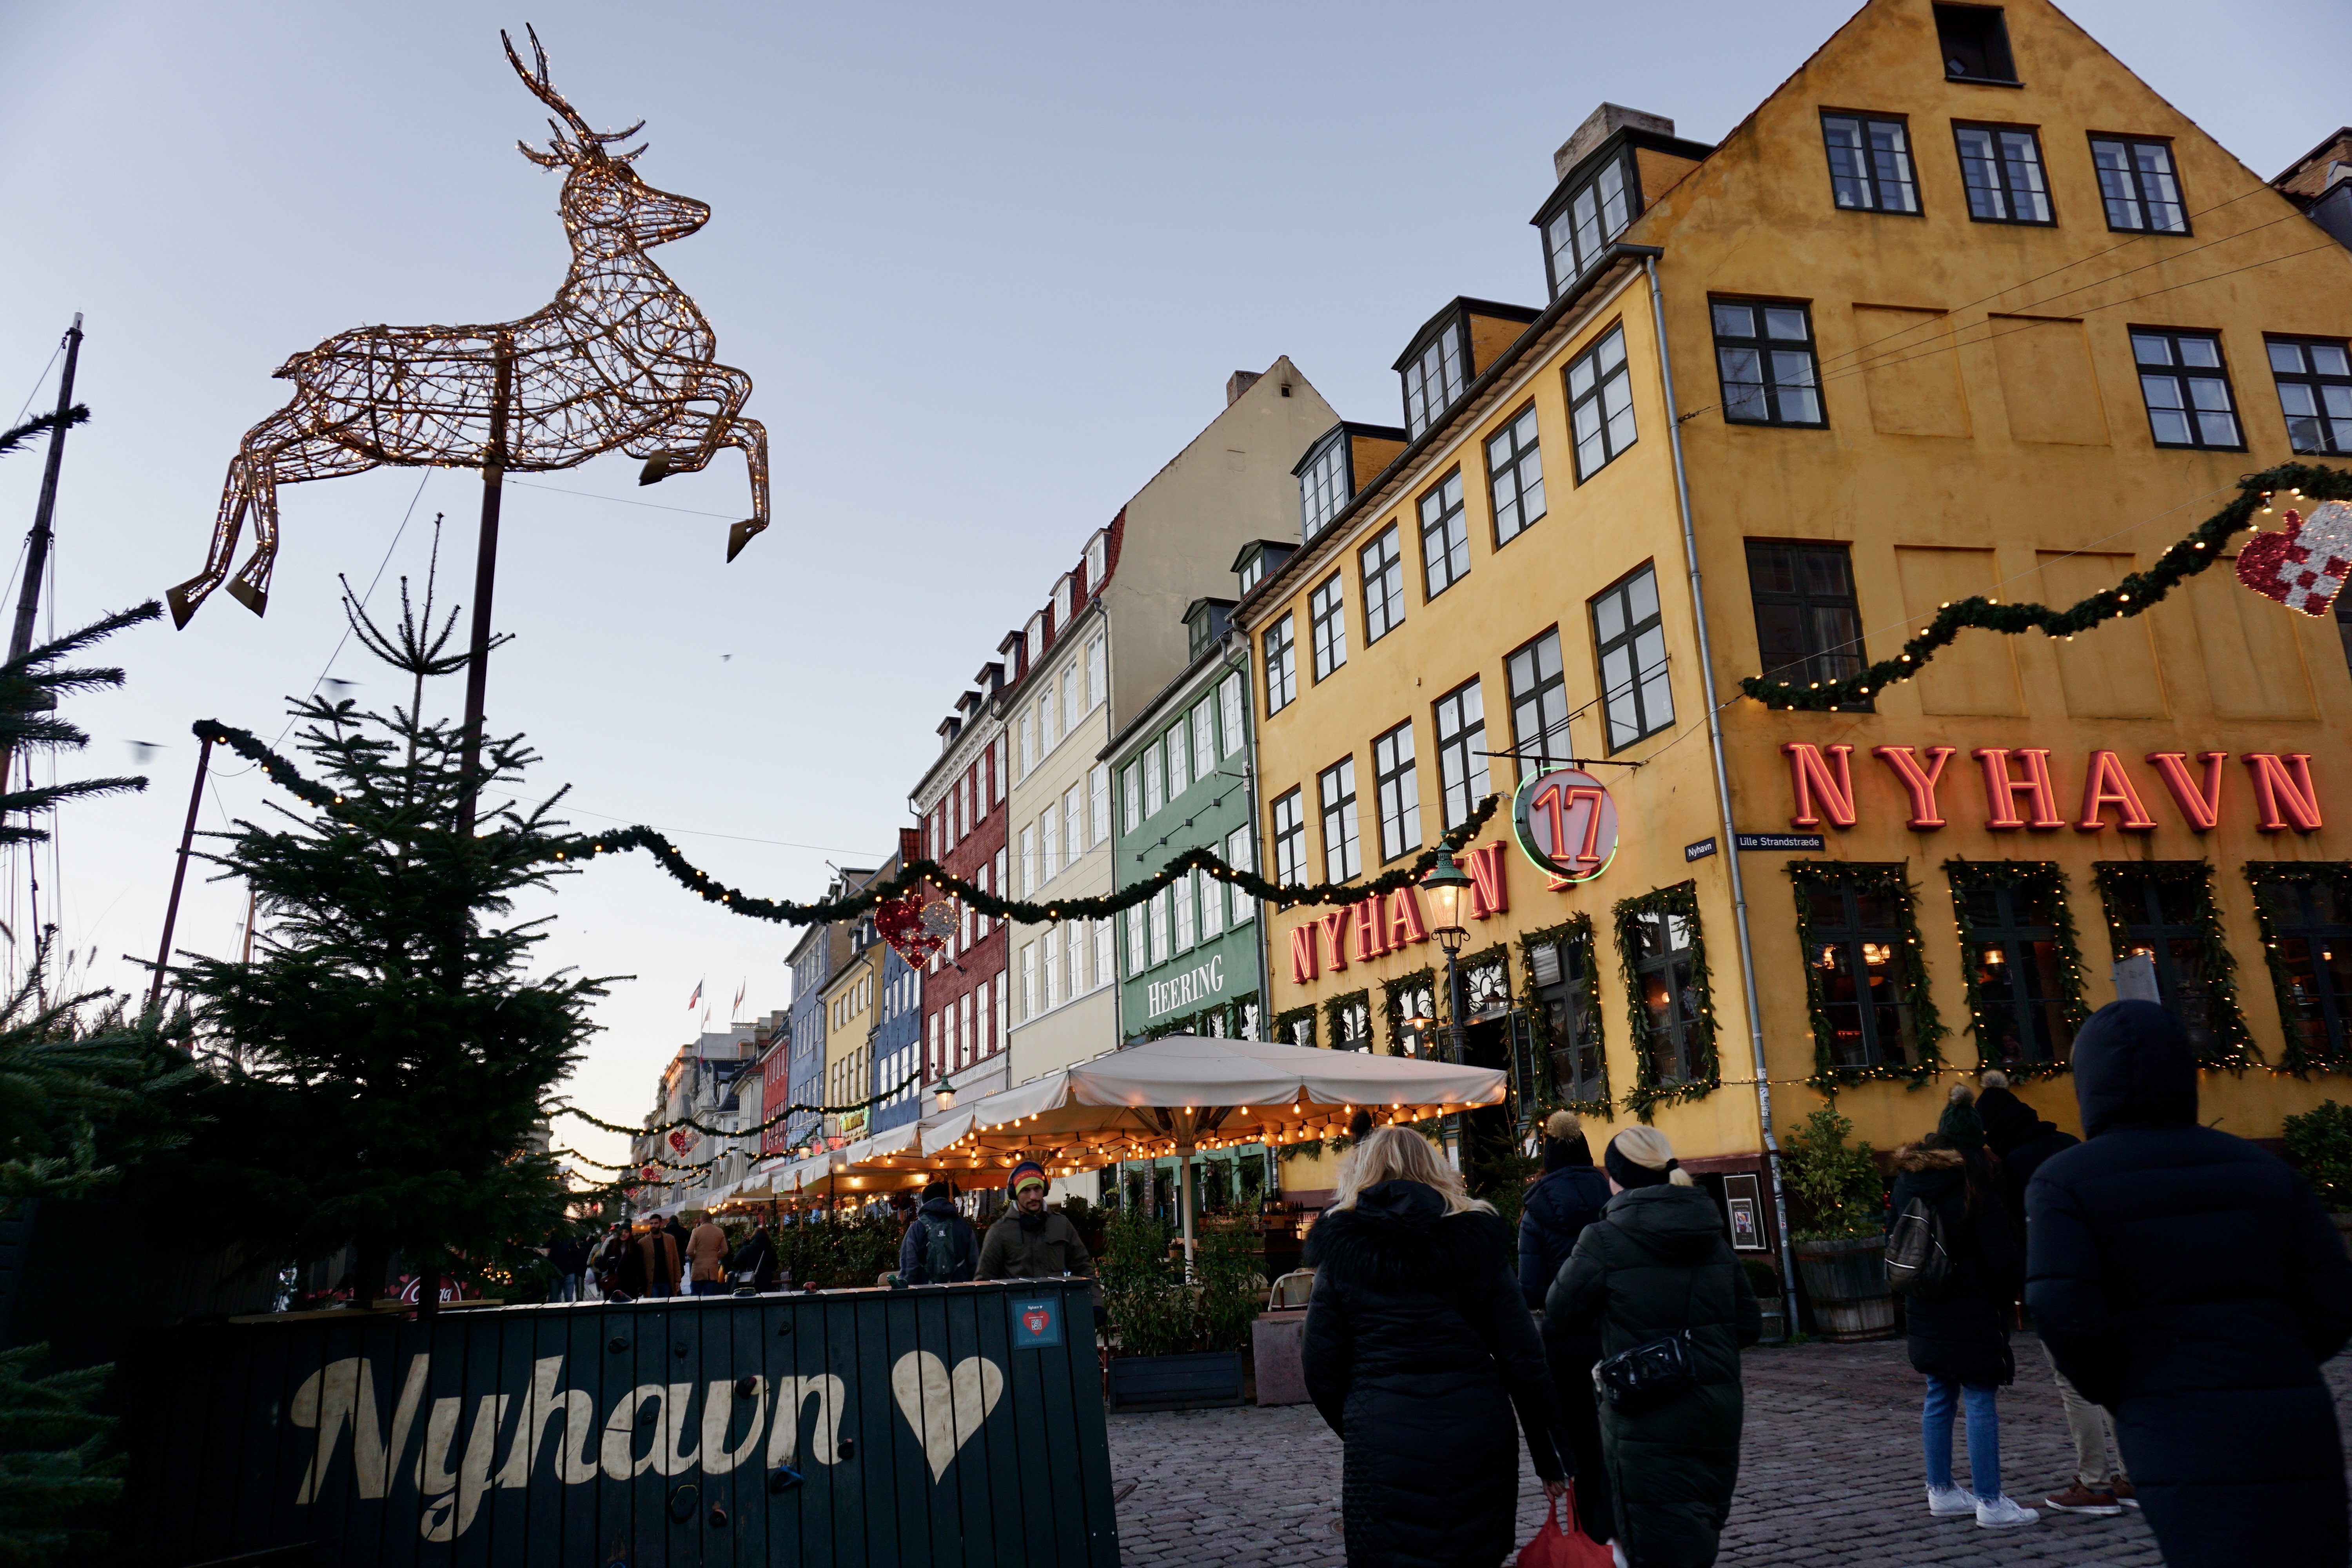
pixel 859 1428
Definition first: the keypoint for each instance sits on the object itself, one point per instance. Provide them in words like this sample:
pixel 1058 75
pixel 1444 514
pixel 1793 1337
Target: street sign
pixel 1566 823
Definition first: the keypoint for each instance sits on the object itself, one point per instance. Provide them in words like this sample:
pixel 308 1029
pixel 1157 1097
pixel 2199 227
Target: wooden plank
pixel 853 1354
pixel 1093 1434
pixel 945 1498
pixel 813 1500
pixel 584 1332
pixel 1018 1430
pixel 221 1451
pixel 1065 1480
pixel 898 1475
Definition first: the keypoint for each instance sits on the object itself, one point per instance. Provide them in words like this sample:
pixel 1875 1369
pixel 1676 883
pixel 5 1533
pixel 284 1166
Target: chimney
pixel 1240 381
pixel 1598 127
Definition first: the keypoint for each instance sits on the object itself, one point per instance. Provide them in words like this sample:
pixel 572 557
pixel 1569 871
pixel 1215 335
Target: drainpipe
pixel 1723 798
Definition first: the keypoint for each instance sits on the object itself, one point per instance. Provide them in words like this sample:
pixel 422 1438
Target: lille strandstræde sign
pixel 2021 792
pixel 1566 823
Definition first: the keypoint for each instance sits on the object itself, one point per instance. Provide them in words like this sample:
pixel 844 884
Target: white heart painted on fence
pixel 945 1408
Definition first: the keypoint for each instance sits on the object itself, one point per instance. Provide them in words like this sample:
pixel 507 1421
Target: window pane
pixel 1733 321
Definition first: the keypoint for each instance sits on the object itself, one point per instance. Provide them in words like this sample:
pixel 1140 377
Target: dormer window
pixel 1323 485
pixel 1596 212
pixel 1062 601
pixel 1433 378
pixel 1098 560
pixel 1259 558
pixel 1034 641
pixel 1975 44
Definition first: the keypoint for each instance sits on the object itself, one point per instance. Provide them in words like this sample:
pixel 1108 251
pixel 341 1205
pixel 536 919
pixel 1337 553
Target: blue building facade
pixel 898 1044
pixel 805 1076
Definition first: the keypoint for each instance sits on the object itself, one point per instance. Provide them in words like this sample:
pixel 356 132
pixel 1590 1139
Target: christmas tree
pixel 387 1049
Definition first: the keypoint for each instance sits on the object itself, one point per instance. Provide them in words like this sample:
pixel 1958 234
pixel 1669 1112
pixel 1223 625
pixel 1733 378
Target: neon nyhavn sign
pixel 2020 790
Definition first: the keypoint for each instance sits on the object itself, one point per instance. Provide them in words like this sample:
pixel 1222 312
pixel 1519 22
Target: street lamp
pixel 1445 884
pixel 946 1095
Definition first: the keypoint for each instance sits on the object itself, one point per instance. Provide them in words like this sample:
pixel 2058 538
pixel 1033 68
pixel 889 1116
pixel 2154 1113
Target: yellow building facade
pixel 852 1014
pixel 1963 309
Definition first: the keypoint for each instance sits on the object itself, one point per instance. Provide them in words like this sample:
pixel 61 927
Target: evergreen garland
pixel 2264 875
pixel 1647 1093
pixel 2192 554
pixel 1393 999
pixel 1913 992
pixel 1286 1025
pixel 868 1103
pixel 1574 932
pixel 2233 1049
pixel 1335 1010
pixel 2042 876
pixel 916 875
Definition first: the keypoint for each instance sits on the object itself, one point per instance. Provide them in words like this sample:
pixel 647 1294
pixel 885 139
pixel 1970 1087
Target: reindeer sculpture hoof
pixel 252 598
pixel 740 535
pixel 658 469
pixel 183 603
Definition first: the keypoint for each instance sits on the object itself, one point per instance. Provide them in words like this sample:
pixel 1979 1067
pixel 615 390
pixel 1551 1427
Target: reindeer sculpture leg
pixel 273 451
pixel 687 445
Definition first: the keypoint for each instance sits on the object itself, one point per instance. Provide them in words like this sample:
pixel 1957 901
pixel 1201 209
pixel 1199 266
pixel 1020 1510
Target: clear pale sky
pixel 989 267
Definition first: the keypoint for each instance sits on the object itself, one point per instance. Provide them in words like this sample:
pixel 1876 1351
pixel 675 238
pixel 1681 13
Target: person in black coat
pixel 2191 1283
pixel 1658 1263
pixel 1960 1334
pixel 937 1227
pixel 1416 1351
pixel 1568 1197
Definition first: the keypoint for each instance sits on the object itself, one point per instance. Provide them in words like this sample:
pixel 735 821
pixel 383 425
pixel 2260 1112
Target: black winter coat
pixel 1656 1262
pixel 2022 1140
pixel 1417 1348
pixel 1555 1213
pixel 2191 1283
pixel 1962 1330
pixel 915 1247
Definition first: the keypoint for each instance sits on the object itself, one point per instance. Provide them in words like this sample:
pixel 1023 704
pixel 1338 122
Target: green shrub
pixel 1152 1311
pixel 2319 1144
pixel 1839 1192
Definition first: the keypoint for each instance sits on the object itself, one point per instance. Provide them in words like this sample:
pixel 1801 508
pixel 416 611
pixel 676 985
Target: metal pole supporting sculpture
pixel 620 359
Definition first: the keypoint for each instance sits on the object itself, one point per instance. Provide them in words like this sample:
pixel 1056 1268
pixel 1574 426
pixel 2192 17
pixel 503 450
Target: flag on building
pixel 696 1000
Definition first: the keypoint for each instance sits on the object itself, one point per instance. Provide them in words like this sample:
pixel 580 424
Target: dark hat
pixel 1960 1124
pixel 934 1190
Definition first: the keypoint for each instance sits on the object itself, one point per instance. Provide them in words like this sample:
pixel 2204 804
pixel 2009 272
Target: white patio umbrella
pixel 1183 1093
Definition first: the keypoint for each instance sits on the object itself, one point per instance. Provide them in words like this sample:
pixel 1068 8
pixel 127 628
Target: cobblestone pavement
pixel 1829 1477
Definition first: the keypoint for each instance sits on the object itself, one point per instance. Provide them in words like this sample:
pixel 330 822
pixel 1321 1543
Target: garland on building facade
pixel 2193 554
pixel 1285 1025
pixel 868 1103
pixel 2264 875
pixel 2046 880
pixel 1648 1092
pixel 1335 1016
pixel 2234 1048
pixel 1405 988
pixel 1912 993
pixel 1573 934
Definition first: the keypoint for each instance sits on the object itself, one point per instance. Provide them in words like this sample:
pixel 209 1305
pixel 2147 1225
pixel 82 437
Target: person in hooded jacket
pixel 2193 1284
pixel 1656 1263
pixel 1417 1350
pixel 1959 1335
pixel 1568 1197
pixel 938 1229
pixel 753 1261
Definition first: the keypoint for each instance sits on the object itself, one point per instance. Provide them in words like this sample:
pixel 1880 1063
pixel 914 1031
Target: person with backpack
pixel 1569 1197
pixel 1953 1258
pixel 937 1249
pixel 1655 1277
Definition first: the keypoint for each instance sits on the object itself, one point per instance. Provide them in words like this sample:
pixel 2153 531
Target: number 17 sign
pixel 1566 823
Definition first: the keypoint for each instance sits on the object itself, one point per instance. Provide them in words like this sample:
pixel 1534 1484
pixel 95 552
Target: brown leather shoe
pixel 2124 1492
pixel 2080 1498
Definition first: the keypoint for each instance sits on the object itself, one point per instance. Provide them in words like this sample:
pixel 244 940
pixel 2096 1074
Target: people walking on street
pixel 2193 1284
pixel 1032 1241
pixel 1657 1266
pixel 650 1266
pixel 706 1259
pixel 937 1249
pixel 2020 1141
pixel 1570 1195
pixel 1418 1346
pixel 1958 1330
pixel 753 1261
pixel 611 1258
pixel 567 1258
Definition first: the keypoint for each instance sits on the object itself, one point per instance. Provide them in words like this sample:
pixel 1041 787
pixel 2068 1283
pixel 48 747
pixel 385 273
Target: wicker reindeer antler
pixel 621 359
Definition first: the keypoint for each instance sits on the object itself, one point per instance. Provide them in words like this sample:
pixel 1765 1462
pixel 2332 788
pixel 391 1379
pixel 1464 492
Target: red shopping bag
pixel 1556 1548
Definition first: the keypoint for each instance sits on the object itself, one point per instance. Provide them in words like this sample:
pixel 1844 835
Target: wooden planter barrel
pixel 1199 1380
pixel 958 1424
pixel 1846 1281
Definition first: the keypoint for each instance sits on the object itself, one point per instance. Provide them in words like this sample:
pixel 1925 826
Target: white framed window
pixel 1049 840
pixel 1179 778
pixel 1183 889
pixel 1098 671
pixel 1099 805
pixel 1322 485
pixel 1061 602
pixel 1212 895
pixel 971 1048
pixel 1159 927
pixel 996 771
pixel 1028 742
pixel 1204 743
pixel 1237 855
pixel 1032 642
pixel 1051 962
pixel 1098 562
pixel 959 1051
pixel 1047 738
pixel 1003 995
pixel 1138 954
pixel 1073 824
pixel 1130 790
pixel 1028 861
pixel 1028 980
pixel 1104 965
pixel 1229 702
pixel 1070 700
pixel 964 922
pixel 1152 798
pixel 996 885
pixel 1074 944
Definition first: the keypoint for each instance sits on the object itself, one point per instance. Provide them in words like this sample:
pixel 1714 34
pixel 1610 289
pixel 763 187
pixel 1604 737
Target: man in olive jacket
pixel 1031 1242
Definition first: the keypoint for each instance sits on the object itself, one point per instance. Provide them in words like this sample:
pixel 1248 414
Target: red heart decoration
pixel 912 929
pixel 2304 565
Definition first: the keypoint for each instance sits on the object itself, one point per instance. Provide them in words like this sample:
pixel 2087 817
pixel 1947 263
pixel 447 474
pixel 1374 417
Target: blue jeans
pixel 1944 1399
pixel 711 1286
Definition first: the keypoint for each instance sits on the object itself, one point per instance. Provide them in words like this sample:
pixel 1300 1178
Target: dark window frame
pixel 1607 379
pixel 1815 665
pixel 1570 1000
pixel 1281 644
pixel 1451 521
pixel 1513 470
pixel 1869 173
pixel 1334 448
pixel 1327 625
pixel 2017 938
pixel 1287 833
pixel 1393 782
pixel 1562 227
pixel 2139 196
pixel 1629 636
pixel 2334 427
pixel 1461 753
pixel 2160 940
pixel 1847 942
pixel 2175 369
pixel 1997 37
pixel 1672 1027
pixel 1337 799
pixel 1383 610
pixel 1999 162
pixel 1763 344
pixel 1540 691
pixel 1416 373
pixel 2286 902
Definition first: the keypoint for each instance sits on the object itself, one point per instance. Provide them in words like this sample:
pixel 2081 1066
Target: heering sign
pixel 1196 985
pixel 2021 792
pixel 1566 823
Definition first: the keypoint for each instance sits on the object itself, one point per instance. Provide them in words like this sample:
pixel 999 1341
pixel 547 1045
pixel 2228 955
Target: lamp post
pixel 1445 884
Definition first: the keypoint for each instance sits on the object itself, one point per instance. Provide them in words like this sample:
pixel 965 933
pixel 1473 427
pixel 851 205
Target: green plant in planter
pixel 2319 1144
pixel 1152 1311
pixel 1837 1186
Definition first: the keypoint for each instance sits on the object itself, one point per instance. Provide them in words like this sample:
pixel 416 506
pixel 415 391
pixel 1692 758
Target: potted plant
pixel 2319 1144
pixel 1841 1244
pixel 1177 1346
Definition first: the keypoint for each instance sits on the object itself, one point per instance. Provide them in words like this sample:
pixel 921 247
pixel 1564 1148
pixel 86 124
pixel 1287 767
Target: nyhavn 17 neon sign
pixel 1566 823
pixel 2020 791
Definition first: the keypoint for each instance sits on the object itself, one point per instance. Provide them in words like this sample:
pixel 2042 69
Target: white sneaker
pixel 2002 1514
pixel 1949 1503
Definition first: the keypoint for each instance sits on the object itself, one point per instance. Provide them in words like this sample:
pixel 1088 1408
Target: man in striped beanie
pixel 1032 1241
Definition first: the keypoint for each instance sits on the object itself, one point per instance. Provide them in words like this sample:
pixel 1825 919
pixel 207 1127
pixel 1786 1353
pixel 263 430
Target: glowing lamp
pixel 1446 886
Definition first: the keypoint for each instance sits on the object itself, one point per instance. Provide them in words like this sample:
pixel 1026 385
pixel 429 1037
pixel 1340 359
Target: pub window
pixel 1444 536
pixel 2002 167
pixel 2187 389
pixel 1670 998
pixel 1870 163
pixel 2312 922
pixel 1327 620
pixel 1975 44
pixel 1281 666
pixel 2315 389
pixel 1433 379
pixel 1322 486
pixel 1539 701
pixel 1351 1023
pixel 1461 717
pixel 1515 476
pixel 1600 404
pixel 1564 987
pixel 1342 855
pixel 2163 919
pixel 1289 834
pixel 1413 1016
pixel 2137 184
pixel 1853 929
pixel 1486 989
pixel 1245 1018
pixel 2020 981
pixel 1398 788
pixel 1630 635
pixel 1382 562
pixel 1765 358
pixel 1808 624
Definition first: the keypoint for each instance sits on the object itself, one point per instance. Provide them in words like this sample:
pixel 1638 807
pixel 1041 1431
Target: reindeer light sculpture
pixel 621 358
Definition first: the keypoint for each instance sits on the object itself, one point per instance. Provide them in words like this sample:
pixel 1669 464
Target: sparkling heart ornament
pixel 2303 564
pixel 916 930
pixel 944 1407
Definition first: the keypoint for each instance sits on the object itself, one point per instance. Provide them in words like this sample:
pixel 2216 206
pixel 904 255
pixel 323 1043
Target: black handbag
pixel 1652 1372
